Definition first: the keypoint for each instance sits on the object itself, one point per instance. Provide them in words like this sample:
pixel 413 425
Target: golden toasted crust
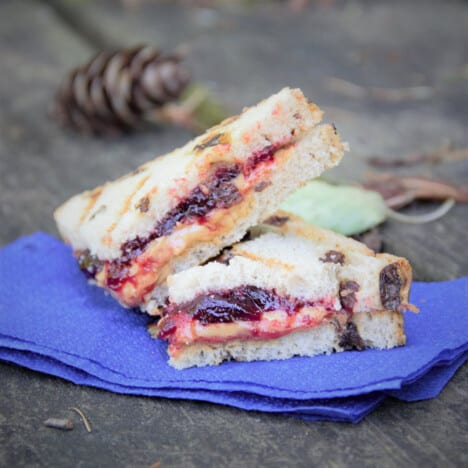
pixel 378 330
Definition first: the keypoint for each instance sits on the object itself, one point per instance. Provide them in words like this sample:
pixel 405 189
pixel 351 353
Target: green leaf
pixel 342 208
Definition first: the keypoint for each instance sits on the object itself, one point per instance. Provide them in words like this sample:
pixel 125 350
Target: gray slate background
pixel 242 54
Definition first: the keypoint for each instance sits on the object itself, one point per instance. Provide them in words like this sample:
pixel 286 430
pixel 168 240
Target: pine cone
pixel 114 90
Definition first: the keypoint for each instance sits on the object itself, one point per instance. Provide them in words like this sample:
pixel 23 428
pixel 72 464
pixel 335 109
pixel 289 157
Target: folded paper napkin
pixel 53 321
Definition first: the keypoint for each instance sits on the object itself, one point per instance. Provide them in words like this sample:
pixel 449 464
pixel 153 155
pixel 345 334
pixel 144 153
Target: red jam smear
pixel 118 274
pixel 265 155
pixel 244 303
pixel 217 192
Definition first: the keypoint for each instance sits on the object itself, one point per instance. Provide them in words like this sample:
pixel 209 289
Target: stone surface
pixel 242 54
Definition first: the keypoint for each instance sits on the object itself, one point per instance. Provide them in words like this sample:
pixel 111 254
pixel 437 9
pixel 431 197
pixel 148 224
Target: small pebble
pixel 64 424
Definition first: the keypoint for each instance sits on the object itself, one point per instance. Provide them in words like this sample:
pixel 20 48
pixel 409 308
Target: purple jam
pixel 245 303
pixel 217 192
pixel 262 156
pixel 117 274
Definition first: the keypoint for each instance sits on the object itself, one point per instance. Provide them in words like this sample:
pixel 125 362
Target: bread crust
pixel 378 330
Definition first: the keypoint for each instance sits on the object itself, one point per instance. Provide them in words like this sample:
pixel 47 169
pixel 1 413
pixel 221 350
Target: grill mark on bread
pixel 213 140
pixel 101 209
pixel 107 238
pixel 128 200
pixel 271 262
pixel 93 197
pixel 139 170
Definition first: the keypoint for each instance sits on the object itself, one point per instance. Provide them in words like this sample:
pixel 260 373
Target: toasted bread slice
pixel 294 289
pixel 179 210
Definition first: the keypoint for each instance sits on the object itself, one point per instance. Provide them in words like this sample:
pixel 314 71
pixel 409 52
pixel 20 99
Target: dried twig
pixel 346 88
pixel 443 154
pixel 400 191
pixel 56 423
pixel 424 218
pixel 352 90
pixel 196 111
pixel 83 418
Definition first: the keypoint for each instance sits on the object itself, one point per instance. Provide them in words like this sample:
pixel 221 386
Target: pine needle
pixel 83 418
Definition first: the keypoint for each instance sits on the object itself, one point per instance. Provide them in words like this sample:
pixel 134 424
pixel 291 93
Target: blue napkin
pixel 52 321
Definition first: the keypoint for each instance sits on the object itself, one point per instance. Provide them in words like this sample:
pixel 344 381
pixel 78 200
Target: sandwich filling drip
pixel 245 312
pixel 218 191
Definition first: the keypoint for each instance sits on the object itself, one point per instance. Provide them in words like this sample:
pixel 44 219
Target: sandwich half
pixel 291 290
pixel 183 208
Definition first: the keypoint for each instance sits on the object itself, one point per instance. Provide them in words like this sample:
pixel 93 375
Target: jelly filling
pixel 264 155
pixel 218 191
pixel 244 303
